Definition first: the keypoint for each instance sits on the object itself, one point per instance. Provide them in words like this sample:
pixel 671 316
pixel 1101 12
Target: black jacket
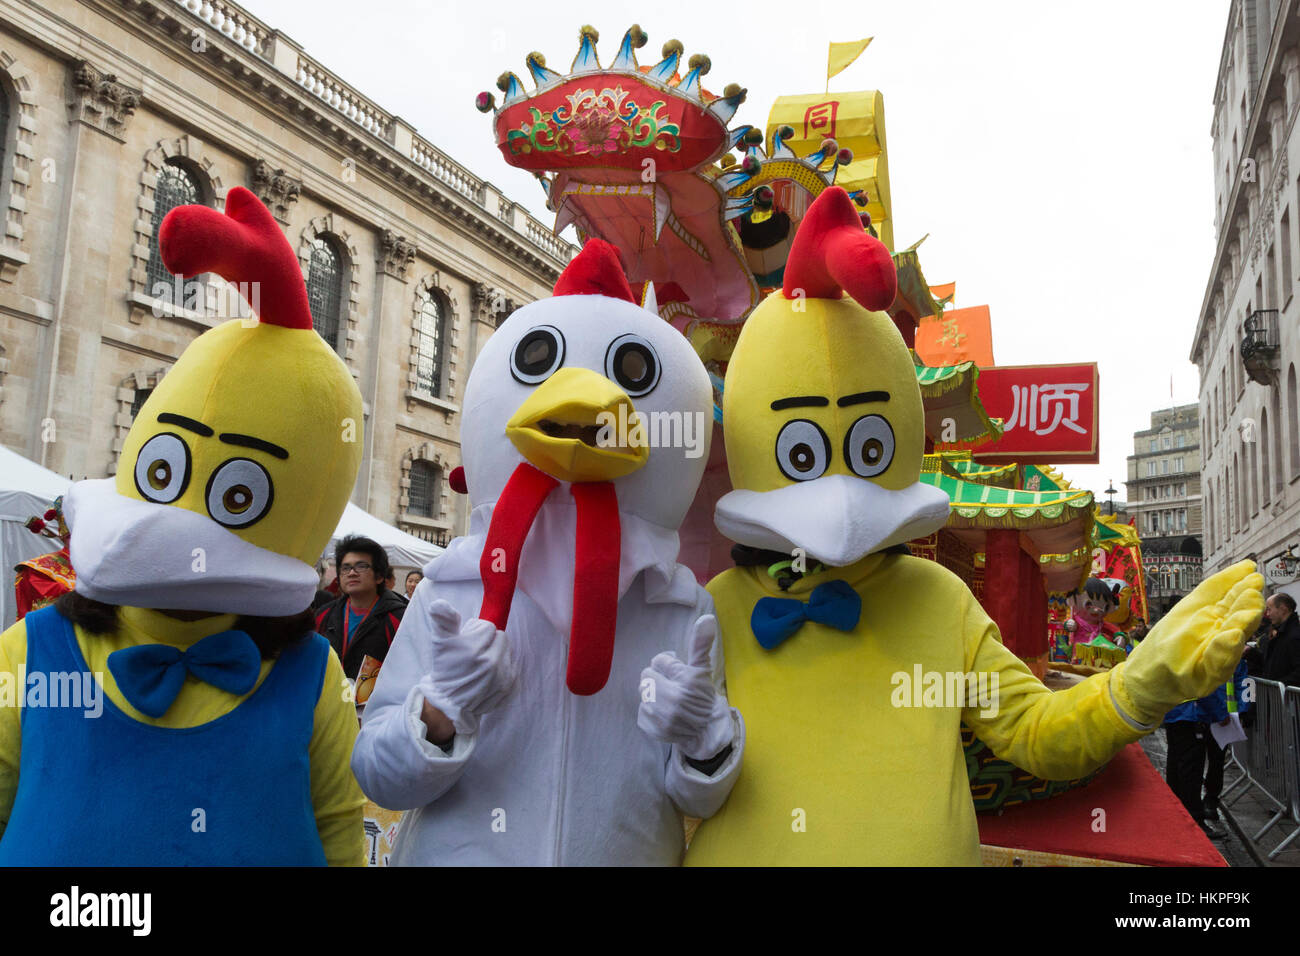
pixel 373 636
pixel 1278 658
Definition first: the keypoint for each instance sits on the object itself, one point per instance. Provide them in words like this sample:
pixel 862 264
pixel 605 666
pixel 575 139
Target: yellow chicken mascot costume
pixel 176 709
pixel 847 762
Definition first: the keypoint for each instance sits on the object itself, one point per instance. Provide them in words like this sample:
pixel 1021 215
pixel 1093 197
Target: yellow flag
pixel 842 54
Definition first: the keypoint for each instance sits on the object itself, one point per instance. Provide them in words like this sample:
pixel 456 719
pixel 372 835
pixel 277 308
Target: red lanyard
pixel 349 631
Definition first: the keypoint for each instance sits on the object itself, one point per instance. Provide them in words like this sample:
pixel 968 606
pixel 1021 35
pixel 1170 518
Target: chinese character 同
pixel 819 119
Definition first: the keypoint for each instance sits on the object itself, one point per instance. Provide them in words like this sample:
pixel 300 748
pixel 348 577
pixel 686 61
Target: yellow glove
pixel 1193 649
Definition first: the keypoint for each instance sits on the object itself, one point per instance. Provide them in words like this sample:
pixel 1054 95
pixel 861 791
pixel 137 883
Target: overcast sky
pixel 1057 154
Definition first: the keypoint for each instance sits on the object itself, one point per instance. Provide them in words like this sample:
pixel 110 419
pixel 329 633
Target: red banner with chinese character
pixel 1049 411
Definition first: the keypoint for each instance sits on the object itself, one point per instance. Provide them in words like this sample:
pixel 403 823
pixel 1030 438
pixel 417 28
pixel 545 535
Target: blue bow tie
pixel 150 676
pixel 834 604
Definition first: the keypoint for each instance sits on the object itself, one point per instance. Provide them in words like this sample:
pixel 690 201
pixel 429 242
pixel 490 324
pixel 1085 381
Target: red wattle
pixel 512 516
pixel 595 587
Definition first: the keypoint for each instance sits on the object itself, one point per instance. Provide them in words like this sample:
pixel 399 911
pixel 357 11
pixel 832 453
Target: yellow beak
pixel 579 426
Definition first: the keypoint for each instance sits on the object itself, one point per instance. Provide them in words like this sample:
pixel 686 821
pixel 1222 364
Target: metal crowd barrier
pixel 1272 748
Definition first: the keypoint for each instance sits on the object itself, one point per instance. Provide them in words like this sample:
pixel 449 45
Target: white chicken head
pixel 564 383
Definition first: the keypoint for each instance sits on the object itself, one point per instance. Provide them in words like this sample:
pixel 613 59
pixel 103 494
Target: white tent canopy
pixel 26 490
pixel 404 550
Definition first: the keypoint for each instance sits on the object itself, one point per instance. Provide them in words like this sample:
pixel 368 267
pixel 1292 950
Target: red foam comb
pixel 243 246
pixel 596 270
pixel 831 255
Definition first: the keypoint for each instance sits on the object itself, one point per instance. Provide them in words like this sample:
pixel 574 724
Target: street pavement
pixel 1243 818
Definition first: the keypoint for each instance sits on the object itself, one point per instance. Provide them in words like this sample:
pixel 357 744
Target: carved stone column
pixel 1291 74
pixel 396 253
pixel 276 188
pixel 101 102
pixel 490 307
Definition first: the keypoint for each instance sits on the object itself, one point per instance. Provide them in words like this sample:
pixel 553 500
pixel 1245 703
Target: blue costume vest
pixel 111 791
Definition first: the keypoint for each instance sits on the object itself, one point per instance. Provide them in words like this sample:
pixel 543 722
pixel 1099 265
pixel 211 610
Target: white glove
pixel 474 667
pixel 679 704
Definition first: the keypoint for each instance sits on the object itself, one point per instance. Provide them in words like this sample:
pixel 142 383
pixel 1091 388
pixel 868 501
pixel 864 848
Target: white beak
pixel 836 519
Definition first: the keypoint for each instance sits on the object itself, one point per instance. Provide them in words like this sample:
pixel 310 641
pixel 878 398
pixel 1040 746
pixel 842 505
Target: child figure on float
pixel 225 733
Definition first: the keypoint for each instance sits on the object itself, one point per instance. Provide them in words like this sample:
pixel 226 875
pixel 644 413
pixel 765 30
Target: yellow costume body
pixel 837 769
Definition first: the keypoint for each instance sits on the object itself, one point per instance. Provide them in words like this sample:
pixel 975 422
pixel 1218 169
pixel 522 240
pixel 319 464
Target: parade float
pixel 39 581
pixel 703 213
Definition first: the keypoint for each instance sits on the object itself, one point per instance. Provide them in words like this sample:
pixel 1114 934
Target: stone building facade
pixel 1247 338
pixel 113 111
pixel 1165 504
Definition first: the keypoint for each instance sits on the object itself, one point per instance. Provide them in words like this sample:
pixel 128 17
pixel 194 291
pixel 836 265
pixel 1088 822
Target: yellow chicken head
pixel 241 461
pixel 822 413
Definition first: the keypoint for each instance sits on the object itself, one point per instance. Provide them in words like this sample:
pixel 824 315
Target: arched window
pixel 1234 494
pixel 1278 429
pixel 325 289
pixel 429 345
pixel 141 396
pixel 1265 486
pixel 176 186
pixel 1208 507
pixel 422 494
pixel 1293 406
pixel 1252 464
pixel 4 128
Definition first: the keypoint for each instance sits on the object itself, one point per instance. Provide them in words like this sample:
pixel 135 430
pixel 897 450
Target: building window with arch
pixel 1279 472
pixel 4 128
pixel 325 289
pixel 1294 421
pixel 430 335
pixel 177 186
pixel 141 396
pixel 1209 515
pixel 422 495
pixel 1266 483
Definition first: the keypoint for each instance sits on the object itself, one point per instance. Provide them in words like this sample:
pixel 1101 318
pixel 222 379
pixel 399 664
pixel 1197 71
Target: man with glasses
pixel 1278 657
pixel 361 624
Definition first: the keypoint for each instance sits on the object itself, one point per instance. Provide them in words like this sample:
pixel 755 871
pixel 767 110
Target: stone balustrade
pixel 314 78
pixel 231 21
pixel 446 169
pixel 542 237
pixel 272 46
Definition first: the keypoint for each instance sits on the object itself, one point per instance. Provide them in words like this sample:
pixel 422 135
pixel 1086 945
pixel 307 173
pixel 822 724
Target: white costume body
pixel 550 778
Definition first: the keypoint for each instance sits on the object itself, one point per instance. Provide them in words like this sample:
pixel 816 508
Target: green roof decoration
pixel 950 393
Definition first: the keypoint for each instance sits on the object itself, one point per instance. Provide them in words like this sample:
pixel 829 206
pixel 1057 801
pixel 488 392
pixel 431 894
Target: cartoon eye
pixel 239 492
pixel 633 363
pixel 802 450
pixel 162 469
pixel 869 446
pixel 539 353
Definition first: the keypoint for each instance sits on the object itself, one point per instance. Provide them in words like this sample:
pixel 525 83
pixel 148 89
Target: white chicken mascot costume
pixel 506 715
pixel 824 431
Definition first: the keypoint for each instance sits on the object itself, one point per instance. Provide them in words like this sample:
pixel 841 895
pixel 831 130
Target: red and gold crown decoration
pixel 630 152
